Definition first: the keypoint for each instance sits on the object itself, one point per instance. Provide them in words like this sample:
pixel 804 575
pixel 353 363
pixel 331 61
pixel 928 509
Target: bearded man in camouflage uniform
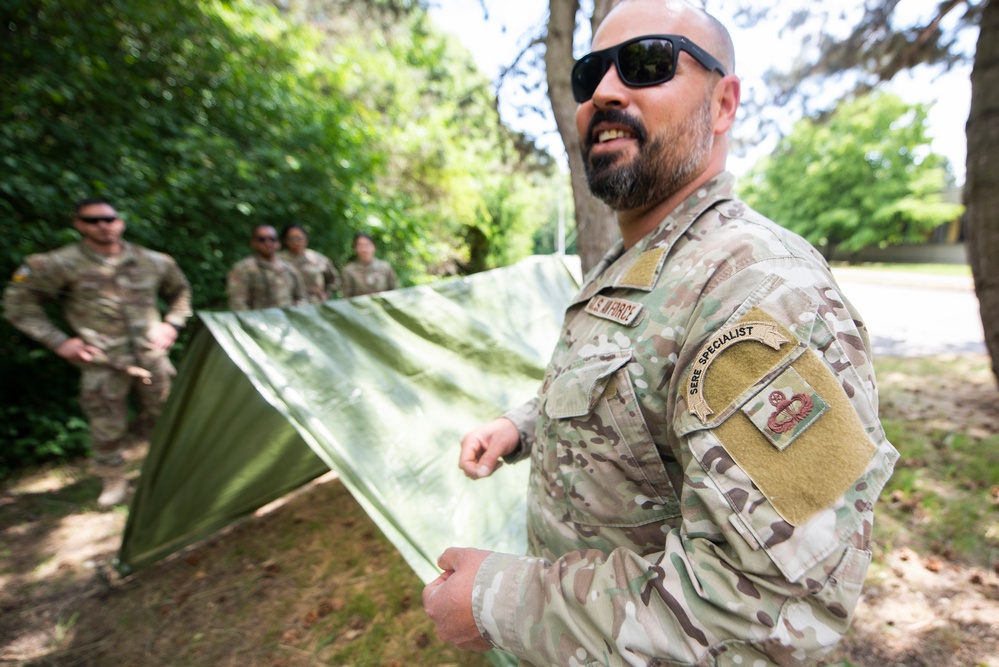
pixel 264 280
pixel 108 290
pixel 705 447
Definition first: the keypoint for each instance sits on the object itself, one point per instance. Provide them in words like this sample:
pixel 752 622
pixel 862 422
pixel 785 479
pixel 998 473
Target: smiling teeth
pixel 607 135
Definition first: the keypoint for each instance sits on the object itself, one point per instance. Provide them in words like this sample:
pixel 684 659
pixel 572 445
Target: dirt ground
pixel 307 581
pixel 311 581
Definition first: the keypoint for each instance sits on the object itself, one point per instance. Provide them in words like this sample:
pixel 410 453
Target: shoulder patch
pixel 738 357
pixel 22 274
pixel 785 408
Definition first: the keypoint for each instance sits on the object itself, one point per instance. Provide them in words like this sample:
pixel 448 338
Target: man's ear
pixel 725 103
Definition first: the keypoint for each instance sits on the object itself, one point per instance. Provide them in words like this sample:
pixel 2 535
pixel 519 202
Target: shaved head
pixel 714 36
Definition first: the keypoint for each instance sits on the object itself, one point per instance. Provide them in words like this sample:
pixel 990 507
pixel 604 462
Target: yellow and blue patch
pixel 22 274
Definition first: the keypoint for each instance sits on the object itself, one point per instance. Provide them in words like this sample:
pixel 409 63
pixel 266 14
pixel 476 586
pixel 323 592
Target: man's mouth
pixel 610 135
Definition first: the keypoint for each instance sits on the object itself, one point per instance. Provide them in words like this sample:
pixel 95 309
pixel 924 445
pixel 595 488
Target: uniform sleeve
pixel 349 287
pixel 332 278
pixel 767 562
pixel 34 283
pixel 524 418
pixel 237 286
pixel 393 280
pixel 176 292
pixel 298 293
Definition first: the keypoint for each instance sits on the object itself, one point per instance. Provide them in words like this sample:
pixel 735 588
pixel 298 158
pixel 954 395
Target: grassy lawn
pixel 944 495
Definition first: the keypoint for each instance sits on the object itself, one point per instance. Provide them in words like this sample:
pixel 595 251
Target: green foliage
pixel 864 176
pixel 194 120
pixel 199 119
pixel 562 206
pixel 456 191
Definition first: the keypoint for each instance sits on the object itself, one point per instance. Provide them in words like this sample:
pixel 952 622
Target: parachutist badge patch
pixel 785 408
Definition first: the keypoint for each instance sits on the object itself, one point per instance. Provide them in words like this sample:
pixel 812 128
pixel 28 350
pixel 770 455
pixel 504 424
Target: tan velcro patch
pixel 643 271
pixel 819 466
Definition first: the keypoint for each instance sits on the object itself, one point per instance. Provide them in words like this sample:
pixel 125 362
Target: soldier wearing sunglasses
pixel 705 446
pixel 264 279
pixel 108 290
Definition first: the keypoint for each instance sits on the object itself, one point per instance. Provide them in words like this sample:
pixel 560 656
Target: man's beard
pixel 102 239
pixel 664 164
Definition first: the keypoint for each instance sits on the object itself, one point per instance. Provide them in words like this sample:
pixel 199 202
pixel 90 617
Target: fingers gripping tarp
pixel 378 388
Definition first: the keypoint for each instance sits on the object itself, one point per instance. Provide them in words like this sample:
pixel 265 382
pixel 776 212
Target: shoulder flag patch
pixel 22 274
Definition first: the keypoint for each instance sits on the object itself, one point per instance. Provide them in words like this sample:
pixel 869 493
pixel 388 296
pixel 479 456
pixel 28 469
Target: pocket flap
pixel 578 388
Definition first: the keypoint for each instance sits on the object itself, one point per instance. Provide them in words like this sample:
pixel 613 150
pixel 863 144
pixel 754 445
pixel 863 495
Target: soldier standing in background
pixel 320 276
pixel 367 275
pixel 705 446
pixel 264 280
pixel 108 290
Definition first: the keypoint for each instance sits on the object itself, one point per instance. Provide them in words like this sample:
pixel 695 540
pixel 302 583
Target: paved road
pixel 915 315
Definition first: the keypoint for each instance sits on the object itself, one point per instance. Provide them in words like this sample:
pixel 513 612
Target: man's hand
pixel 163 336
pixel 448 598
pixel 482 447
pixel 75 350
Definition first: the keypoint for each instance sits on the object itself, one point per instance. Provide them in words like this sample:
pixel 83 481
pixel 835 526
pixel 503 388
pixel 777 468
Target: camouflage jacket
pixel 706 454
pixel 253 284
pixel 359 278
pixel 318 273
pixel 109 302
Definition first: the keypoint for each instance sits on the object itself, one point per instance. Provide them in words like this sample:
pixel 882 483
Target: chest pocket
pixel 139 284
pixel 601 462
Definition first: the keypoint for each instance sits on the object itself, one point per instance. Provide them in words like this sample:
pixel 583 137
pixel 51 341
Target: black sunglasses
pixel 94 219
pixel 642 61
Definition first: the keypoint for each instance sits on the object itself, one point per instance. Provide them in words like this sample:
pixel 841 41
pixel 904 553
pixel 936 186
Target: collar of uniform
pixel 288 255
pixel 127 254
pixel 277 265
pixel 639 266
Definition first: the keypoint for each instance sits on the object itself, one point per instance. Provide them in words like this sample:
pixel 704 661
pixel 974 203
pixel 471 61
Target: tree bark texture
pixel 596 224
pixel 981 191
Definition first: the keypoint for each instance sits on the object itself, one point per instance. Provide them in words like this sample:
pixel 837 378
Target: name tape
pixel 617 310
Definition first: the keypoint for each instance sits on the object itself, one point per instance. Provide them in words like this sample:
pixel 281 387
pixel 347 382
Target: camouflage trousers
pixel 104 399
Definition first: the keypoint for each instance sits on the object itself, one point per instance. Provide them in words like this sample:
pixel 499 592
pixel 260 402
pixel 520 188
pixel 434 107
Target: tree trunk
pixel 596 225
pixel 981 190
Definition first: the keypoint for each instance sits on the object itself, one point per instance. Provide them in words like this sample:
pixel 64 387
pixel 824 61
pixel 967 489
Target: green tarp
pixel 378 388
